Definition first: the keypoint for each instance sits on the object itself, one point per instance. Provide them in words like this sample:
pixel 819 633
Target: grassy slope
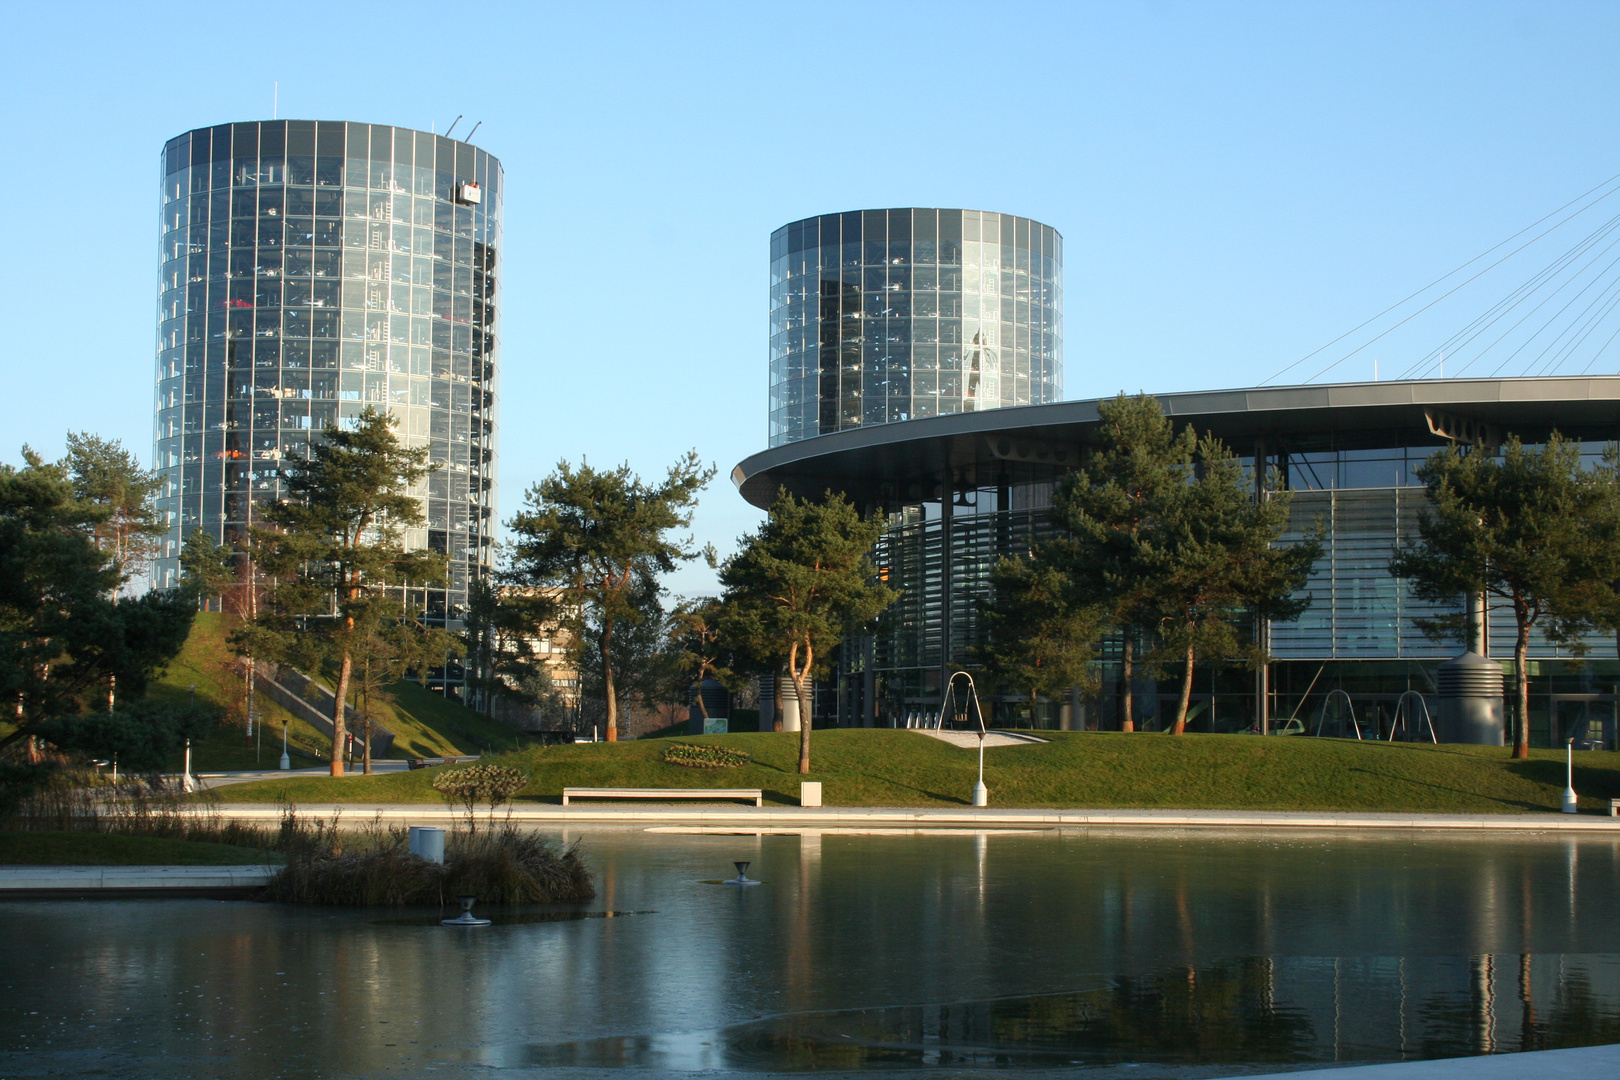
pixel 427 725
pixel 899 768
pixel 424 724
pixel 204 662
pixel 105 849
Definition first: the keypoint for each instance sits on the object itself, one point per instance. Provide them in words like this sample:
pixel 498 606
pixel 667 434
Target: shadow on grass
pixel 1453 790
pixel 1596 783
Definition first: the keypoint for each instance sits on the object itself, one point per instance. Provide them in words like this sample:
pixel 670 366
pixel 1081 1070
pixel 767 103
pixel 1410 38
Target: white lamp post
pixel 1571 804
pixel 981 794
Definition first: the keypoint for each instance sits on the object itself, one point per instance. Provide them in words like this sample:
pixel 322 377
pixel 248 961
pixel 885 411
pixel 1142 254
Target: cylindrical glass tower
pixel 884 315
pixel 311 269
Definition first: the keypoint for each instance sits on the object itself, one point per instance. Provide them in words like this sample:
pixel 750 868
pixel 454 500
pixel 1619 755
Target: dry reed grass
pixel 374 868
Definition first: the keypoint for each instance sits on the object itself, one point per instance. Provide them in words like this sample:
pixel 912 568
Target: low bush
pixel 487 784
pixel 694 756
pixel 374 868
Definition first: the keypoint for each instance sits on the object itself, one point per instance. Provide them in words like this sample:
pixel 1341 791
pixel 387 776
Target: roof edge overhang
pixel 939 443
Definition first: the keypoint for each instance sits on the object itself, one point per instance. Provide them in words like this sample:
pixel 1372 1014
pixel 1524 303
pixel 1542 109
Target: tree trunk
pixel 802 687
pixel 1129 723
pixel 1186 696
pixel 345 671
pixel 611 699
pixel 1521 671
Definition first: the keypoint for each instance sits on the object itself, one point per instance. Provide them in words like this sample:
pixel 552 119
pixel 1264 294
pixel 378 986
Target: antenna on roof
pixel 452 126
pixel 470 134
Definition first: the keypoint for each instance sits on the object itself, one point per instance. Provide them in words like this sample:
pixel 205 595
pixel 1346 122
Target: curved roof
pixel 863 459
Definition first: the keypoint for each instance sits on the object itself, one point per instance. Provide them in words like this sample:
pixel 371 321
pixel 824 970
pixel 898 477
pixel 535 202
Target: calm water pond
pixel 1086 953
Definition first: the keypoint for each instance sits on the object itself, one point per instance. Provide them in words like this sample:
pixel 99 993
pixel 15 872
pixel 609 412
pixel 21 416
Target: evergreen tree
pixel 109 478
pixel 1101 512
pixel 334 552
pixel 1213 556
pixel 505 626
pixel 600 541
pixel 1041 640
pixel 696 651
pixel 1159 536
pixel 1519 527
pixel 803 581
pixel 66 641
pixel 208 567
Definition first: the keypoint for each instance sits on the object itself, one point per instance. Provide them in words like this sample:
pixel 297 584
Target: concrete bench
pixel 1614 807
pixel 745 794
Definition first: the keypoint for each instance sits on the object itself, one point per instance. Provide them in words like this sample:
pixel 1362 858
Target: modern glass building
pixel 886 315
pixel 961 491
pixel 311 269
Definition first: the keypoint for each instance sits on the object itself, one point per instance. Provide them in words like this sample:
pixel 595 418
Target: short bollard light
pixel 466 918
pixel 742 880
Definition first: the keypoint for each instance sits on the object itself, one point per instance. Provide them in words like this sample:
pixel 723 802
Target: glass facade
pixel 1357 640
pixel 886 315
pixel 309 270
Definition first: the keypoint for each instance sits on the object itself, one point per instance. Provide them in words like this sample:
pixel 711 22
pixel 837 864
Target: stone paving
pixel 652 812
pixel 18 881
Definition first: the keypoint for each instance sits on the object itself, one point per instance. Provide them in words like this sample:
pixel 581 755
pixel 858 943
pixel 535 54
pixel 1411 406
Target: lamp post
pixel 286 762
pixel 981 794
pixel 1571 804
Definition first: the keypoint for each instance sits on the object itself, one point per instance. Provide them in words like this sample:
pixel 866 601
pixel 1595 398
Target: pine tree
pixel 1041 639
pixel 1213 555
pixel 1519 527
pixel 335 554
pixel 109 478
pixel 65 638
pixel 803 581
pixel 1101 512
pixel 601 541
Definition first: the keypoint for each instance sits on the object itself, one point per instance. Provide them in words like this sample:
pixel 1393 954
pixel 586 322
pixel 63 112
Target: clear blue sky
pixel 1237 184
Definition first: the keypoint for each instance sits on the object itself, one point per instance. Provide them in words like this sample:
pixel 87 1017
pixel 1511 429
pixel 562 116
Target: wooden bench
pixel 744 794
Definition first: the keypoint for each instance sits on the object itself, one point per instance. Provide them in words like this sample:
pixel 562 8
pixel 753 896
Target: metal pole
pixel 981 794
pixel 286 762
pixel 1571 803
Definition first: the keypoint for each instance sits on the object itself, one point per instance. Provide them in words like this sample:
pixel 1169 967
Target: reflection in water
pixel 1101 950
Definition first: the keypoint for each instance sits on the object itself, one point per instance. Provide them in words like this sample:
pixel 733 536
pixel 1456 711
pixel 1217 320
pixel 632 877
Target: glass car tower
pixel 885 315
pixel 311 269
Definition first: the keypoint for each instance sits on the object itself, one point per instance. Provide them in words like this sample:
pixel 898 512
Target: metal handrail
pixel 1403 717
pixel 1349 705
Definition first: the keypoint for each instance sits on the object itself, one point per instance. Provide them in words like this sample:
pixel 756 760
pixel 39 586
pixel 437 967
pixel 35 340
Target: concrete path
pixel 39 882
pixel 791 817
pixel 1580 1063
pixel 970 739
pixel 378 765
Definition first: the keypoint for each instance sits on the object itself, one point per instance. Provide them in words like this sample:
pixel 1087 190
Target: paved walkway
pixel 1580 1063
pixel 242 776
pixel 790 817
pixel 970 739
pixel 18 882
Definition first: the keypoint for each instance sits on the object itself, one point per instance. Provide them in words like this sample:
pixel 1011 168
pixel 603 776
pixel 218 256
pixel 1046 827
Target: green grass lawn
pixel 204 663
pixel 111 849
pixel 1075 769
pixel 424 724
